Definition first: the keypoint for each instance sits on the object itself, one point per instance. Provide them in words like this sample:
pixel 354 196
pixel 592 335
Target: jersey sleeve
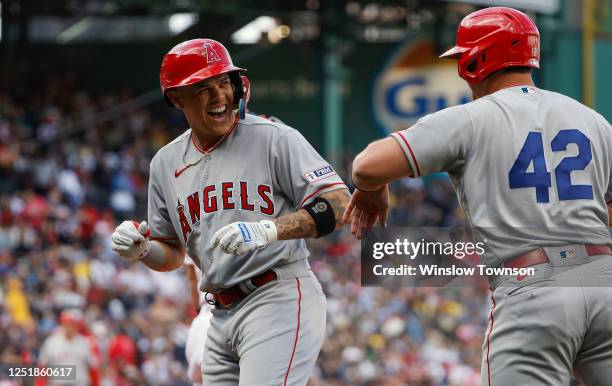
pixel 157 211
pixel 438 142
pixel 301 173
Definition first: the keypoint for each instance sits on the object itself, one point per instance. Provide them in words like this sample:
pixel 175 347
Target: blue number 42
pixel 533 151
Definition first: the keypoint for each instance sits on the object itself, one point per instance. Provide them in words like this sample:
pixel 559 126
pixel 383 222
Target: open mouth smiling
pixel 218 113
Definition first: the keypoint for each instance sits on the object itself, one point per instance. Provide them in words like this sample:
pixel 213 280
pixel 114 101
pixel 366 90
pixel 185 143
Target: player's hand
pixel 365 208
pixel 239 238
pixel 131 240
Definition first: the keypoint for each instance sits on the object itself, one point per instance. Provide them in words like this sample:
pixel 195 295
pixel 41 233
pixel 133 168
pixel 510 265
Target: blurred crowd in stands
pixel 72 166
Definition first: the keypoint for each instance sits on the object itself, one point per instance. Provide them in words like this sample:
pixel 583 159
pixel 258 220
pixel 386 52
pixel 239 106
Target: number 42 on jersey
pixel 539 178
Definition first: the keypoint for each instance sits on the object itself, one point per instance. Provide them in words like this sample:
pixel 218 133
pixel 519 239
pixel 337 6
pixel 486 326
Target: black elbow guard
pixel 322 213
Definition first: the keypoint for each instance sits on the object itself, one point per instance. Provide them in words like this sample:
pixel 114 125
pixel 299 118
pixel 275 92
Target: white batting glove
pixel 239 238
pixel 131 240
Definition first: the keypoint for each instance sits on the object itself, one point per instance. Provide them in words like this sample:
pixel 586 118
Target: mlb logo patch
pixel 568 254
pixel 528 90
pixel 319 174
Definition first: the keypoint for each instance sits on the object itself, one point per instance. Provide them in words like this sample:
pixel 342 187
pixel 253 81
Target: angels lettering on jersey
pixel 240 195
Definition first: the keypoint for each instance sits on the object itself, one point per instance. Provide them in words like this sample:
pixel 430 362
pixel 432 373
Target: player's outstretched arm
pixel 320 217
pixel 301 224
pixel 380 163
pixel 131 240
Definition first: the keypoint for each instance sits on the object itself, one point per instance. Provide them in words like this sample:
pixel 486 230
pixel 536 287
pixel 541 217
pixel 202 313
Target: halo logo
pixel 414 83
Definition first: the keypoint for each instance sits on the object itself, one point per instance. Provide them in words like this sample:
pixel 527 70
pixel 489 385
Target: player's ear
pixel 175 98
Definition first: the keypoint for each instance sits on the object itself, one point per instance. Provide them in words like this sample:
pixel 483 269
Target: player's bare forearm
pixel 301 225
pixel 164 256
pixel 193 286
pixel 380 163
pixel 295 226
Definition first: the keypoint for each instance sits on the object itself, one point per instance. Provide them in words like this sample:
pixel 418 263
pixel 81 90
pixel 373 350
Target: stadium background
pixel 81 116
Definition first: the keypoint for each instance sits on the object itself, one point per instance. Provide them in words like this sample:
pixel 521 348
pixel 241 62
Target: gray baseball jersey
pixel 531 167
pixel 259 170
pixel 59 350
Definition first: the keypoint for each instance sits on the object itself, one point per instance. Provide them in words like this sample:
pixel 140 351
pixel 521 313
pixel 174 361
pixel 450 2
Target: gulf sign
pixel 413 83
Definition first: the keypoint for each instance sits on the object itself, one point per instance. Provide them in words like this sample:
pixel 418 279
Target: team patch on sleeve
pixel 319 174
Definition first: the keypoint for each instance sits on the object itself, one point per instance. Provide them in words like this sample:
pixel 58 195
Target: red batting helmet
pixel 495 38
pixel 198 59
pixel 71 316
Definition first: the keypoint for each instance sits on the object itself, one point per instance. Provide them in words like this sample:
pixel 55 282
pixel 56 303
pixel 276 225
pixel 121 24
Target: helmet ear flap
pixel 476 63
pixel 241 88
pixel 237 88
pixel 472 66
pixel 168 101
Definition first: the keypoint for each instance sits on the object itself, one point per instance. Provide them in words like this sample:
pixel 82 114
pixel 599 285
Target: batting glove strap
pixel 239 238
pixel 269 229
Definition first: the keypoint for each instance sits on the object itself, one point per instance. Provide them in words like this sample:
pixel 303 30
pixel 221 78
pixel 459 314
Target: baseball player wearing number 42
pixel 239 193
pixel 532 170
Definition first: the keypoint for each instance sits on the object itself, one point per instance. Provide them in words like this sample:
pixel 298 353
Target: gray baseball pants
pixel 546 326
pixel 272 337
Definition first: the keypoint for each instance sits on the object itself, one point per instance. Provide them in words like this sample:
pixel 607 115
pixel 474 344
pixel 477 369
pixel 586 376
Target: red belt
pixel 539 256
pixel 232 295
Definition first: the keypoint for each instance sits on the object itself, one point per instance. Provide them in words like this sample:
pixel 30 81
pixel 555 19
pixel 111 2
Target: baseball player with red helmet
pixel 532 170
pixel 67 346
pixel 239 193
